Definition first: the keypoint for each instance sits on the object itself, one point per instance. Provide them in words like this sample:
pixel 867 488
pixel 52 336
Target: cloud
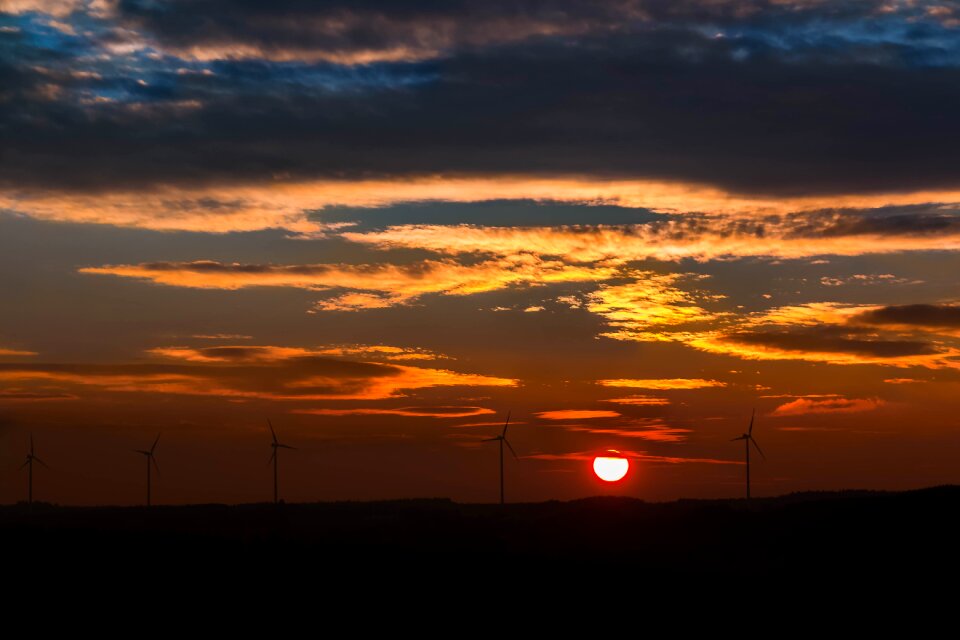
pixel 16 352
pixel 397 283
pixel 639 401
pixel 292 379
pixel 744 232
pixel 829 340
pixel 587 456
pixel 822 332
pixel 34 396
pixel 354 302
pixel 807 226
pixel 370 30
pixel 254 353
pixel 60 8
pixel 931 317
pixel 649 302
pixel 652 429
pixel 415 412
pixel 576 414
pixel 866 279
pixel 903 380
pixel 244 353
pixel 542 93
pixel 358 32
pixel 662 383
pixel 805 406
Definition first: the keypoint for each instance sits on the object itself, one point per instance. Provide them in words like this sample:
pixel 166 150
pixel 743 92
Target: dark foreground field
pixel 830 538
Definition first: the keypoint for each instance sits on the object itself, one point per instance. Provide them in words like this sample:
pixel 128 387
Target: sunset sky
pixel 383 224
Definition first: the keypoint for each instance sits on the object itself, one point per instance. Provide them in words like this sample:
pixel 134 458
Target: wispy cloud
pixel 286 380
pixel 576 414
pixel 653 429
pixel 414 412
pixel 636 455
pixel 639 401
pixel 396 284
pixel 269 353
pixel 16 353
pixel 662 383
pixel 806 406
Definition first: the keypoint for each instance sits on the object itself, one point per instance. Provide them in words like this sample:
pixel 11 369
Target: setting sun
pixel 611 468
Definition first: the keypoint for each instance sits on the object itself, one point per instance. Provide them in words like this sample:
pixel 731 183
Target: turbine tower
pixel 747 439
pixel 274 458
pixel 502 439
pixel 31 458
pixel 151 461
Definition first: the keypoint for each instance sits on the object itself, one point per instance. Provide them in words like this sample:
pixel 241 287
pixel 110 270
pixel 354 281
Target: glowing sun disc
pixel 611 468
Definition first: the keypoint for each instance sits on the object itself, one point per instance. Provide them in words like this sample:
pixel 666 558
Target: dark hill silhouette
pixel 815 540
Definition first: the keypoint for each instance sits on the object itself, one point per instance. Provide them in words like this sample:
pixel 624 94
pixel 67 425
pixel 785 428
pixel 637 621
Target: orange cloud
pixel 636 455
pixel 16 353
pixel 488 424
pixel 576 414
pixel 902 380
pixel 805 406
pixel 292 380
pixel 15 395
pixel 397 283
pixel 650 300
pixel 662 383
pixel 652 429
pixel 354 302
pixel 244 353
pixel 256 353
pixel 414 412
pixel 822 332
pixel 408 378
pixel 730 234
pixel 284 205
pixel 58 8
pixel 639 401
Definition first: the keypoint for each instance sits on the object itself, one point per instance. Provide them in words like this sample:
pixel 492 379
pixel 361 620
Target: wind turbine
pixel 747 439
pixel 151 461
pixel 502 439
pixel 274 458
pixel 31 457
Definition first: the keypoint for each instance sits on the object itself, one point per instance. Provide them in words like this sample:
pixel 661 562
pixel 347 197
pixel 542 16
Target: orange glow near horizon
pixel 611 468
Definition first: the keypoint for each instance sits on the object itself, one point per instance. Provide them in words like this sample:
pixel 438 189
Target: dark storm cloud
pixel 929 316
pixel 831 114
pixel 830 339
pixel 422 26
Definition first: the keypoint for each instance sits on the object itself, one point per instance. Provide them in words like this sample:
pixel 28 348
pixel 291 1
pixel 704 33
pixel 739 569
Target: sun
pixel 611 467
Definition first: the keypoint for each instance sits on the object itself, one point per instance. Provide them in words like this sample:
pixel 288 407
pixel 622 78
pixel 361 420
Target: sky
pixel 382 225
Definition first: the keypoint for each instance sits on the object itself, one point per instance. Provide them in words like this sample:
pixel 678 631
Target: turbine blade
pixel 738 438
pixel 41 462
pixel 272 432
pixel 286 446
pixel 759 450
pixel 752 414
pixel 491 439
pixel 505 425
pixel 25 463
pixel 507 442
pixel 155 464
pixel 272 456
pixel 155 444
